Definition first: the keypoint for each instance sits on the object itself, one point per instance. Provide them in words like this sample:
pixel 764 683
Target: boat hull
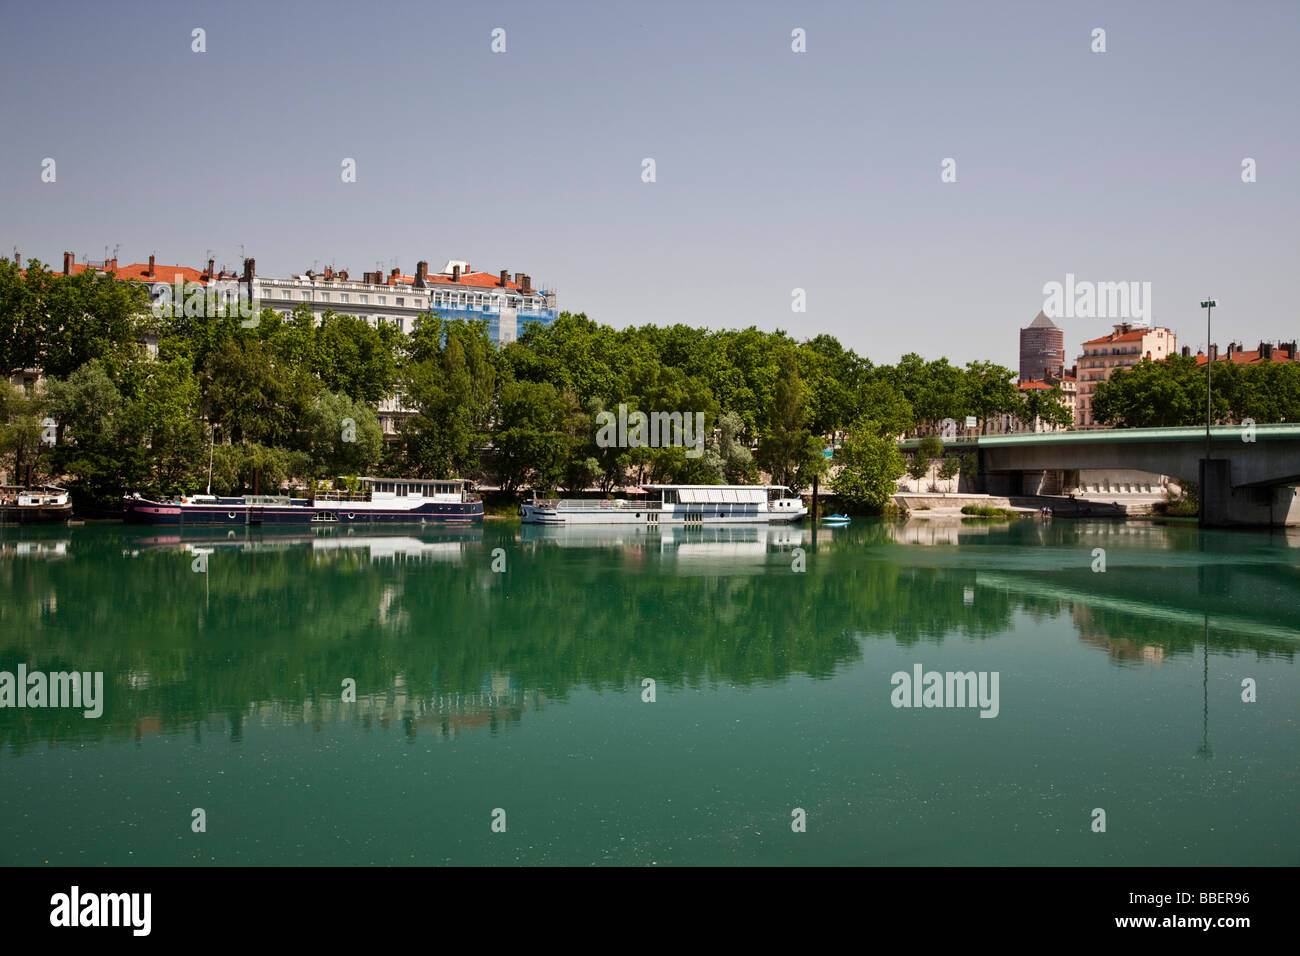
pixel 35 514
pixel 438 512
pixel 145 511
pixel 536 514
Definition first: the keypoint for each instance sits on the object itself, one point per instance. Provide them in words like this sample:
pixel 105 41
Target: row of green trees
pixel 1172 392
pixel 143 402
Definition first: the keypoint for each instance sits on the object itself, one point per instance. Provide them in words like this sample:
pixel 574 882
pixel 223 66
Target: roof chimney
pixel 455 273
pixel 1266 351
pixel 1187 351
pixel 421 270
pixel 392 276
pixel 67 263
pixel 528 283
pixel 250 268
pixel 1214 353
pixel 210 273
pixel 150 273
pixel 505 278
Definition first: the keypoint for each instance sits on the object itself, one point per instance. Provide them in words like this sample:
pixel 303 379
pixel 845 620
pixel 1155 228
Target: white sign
pixel 970 421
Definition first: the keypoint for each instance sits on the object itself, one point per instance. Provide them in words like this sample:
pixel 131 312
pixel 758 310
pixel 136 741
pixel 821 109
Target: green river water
pixel 517 695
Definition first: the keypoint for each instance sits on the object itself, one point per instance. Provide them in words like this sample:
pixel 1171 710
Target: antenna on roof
pixel 115 248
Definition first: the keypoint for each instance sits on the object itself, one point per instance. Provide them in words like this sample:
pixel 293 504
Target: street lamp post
pixel 1208 305
pixel 211 450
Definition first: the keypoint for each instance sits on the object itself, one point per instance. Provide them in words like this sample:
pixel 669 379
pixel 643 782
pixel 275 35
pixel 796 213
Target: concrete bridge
pixel 1250 477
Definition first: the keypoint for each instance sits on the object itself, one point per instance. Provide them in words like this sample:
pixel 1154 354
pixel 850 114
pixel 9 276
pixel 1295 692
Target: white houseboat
pixel 400 501
pixel 673 504
pixel 22 504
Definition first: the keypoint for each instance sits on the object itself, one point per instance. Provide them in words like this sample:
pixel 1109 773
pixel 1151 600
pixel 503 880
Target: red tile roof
pixel 166 274
pixel 478 280
pixel 1134 336
pixel 1249 358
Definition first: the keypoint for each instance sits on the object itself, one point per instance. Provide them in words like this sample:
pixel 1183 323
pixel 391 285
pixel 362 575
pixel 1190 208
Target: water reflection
pixel 273 623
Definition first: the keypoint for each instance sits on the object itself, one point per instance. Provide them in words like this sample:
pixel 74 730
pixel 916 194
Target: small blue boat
pixel 836 521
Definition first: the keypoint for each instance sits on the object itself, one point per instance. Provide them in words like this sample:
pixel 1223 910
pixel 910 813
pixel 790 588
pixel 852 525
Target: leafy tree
pixel 80 317
pixel 1155 394
pixel 246 394
pixel 356 359
pixel 162 440
pixel 87 406
pixel 20 320
pixel 948 469
pixel 788 450
pixel 449 380
pixel 21 430
pixel 1044 405
pixel 988 391
pixel 528 440
pixel 346 438
pixel 870 467
pixel 737 461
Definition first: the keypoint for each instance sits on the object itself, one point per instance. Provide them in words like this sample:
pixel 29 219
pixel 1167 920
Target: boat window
pixel 670 497
pixel 401 491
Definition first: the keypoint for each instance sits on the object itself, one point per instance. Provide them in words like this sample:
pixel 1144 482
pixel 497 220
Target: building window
pixel 304 296
pixel 401 324
pixel 381 299
pixel 324 296
pixel 363 299
pixel 285 293
pixel 343 297
pixel 401 301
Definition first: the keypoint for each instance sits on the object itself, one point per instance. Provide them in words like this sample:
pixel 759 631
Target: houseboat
pixel 380 501
pixel 674 504
pixel 400 500
pixel 217 509
pixel 39 504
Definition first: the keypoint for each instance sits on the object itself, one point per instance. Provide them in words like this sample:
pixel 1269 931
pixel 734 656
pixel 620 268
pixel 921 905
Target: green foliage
pixel 450 380
pixel 87 407
pixel 989 511
pixel 525 414
pixel 345 436
pixel 20 431
pixel 870 467
pixel 1046 406
pixel 1181 504
pixel 949 467
pixel 1152 394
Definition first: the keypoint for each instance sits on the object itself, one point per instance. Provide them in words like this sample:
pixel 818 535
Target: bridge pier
pixel 1224 506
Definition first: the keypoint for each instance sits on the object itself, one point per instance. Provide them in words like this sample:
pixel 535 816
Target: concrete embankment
pixel 921 505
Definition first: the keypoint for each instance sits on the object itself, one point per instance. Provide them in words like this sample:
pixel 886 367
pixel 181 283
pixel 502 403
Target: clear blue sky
pixel 775 170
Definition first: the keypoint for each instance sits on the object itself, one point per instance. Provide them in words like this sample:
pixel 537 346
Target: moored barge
pixel 380 501
pixel 39 504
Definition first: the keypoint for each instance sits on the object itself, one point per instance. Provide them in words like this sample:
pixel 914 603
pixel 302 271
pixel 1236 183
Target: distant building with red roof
pixel 1127 345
